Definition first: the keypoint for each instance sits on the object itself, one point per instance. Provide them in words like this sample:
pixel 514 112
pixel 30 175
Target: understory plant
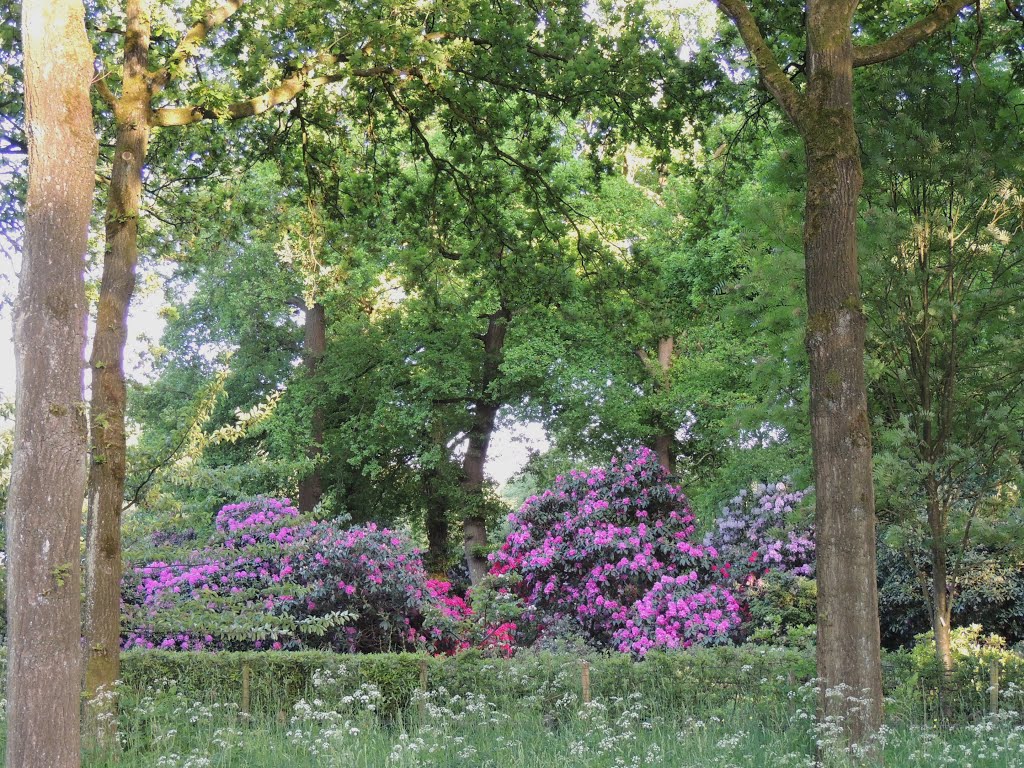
pixel 606 555
pixel 766 543
pixel 762 529
pixel 269 578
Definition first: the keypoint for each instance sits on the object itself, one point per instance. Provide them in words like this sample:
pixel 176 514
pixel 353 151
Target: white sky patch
pixel 510 448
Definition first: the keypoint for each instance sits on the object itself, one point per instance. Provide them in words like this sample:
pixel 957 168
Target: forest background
pixel 362 283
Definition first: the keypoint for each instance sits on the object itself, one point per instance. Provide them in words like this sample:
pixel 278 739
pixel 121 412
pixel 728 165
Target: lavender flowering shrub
pixel 754 534
pixel 608 552
pixel 270 579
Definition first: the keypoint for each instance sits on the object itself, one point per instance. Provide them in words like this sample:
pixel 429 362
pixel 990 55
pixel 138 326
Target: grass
pixel 163 727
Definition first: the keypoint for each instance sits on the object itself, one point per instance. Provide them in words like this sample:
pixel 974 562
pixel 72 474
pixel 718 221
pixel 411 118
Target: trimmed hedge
pixel 691 680
pixel 694 681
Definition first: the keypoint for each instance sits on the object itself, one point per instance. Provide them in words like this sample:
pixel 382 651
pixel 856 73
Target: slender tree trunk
pixel 315 343
pixel 849 653
pixel 107 409
pixel 665 442
pixel 44 509
pixel 474 526
pixel 942 606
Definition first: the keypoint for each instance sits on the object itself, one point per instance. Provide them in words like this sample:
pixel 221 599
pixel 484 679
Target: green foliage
pixel 783 610
pixel 965 691
pixel 987 588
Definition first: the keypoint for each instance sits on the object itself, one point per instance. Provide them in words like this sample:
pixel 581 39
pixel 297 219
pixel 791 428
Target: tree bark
pixel 315 346
pixel 474 527
pixel 849 653
pixel 485 413
pixel 665 442
pixel 107 409
pixel 942 605
pixel 438 530
pixel 44 509
pixel 849 648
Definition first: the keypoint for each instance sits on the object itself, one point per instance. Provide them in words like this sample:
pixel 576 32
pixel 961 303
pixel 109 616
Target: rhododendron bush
pixel 269 578
pixel 756 533
pixel 608 552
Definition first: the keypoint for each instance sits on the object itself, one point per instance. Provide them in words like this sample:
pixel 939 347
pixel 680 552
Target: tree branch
pixel 191 40
pixel 100 81
pixel 780 86
pixel 285 92
pixel 289 88
pixel 908 37
pixel 9 145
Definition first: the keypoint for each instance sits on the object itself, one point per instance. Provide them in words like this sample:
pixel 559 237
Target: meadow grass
pixel 342 725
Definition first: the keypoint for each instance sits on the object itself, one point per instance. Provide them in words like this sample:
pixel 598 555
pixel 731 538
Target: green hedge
pixel 695 681
pixel 689 680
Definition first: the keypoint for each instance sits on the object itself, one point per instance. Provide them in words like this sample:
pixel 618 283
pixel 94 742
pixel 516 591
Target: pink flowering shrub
pixel 376 574
pixel 270 579
pixel 754 534
pixel 475 630
pixel 608 553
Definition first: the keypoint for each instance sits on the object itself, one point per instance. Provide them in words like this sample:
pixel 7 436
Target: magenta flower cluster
pixel 754 533
pixel 377 574
pixel 608 552
pixel 267 574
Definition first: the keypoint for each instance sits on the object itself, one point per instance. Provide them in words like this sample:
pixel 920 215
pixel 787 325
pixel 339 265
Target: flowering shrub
pixel 608 551
pixel 754 536
pixel 376 574
pixel 270 579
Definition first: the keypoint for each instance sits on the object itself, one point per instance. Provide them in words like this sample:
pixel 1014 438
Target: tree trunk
pixel 108 453
pixel 474 526
pixel 438 551
pixel 315 343
pixel 665 443
pixel 664 449
pixel 849 653
pixel 44 509
pixel 942 605
pixel 485 413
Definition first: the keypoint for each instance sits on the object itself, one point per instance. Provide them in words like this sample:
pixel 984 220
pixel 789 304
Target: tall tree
pixel 44 510
pixel 135 116
pixel 943 283
pixel 849 653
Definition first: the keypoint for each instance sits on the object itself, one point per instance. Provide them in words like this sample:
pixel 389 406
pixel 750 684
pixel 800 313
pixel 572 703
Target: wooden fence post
pixel 246 680
pixel 585 678
pixel 993 686
pixel 422 704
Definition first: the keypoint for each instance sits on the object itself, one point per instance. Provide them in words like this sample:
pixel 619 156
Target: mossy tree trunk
pixel 849 650
pixel 485 413
pixel 134 118
pixel 44 509
pixel 849 653
pixel 102 611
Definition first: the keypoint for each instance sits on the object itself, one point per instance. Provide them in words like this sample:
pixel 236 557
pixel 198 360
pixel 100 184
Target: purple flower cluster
pixel 753 534
pixel 267 575
pixel 608 551
pixel 377 574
